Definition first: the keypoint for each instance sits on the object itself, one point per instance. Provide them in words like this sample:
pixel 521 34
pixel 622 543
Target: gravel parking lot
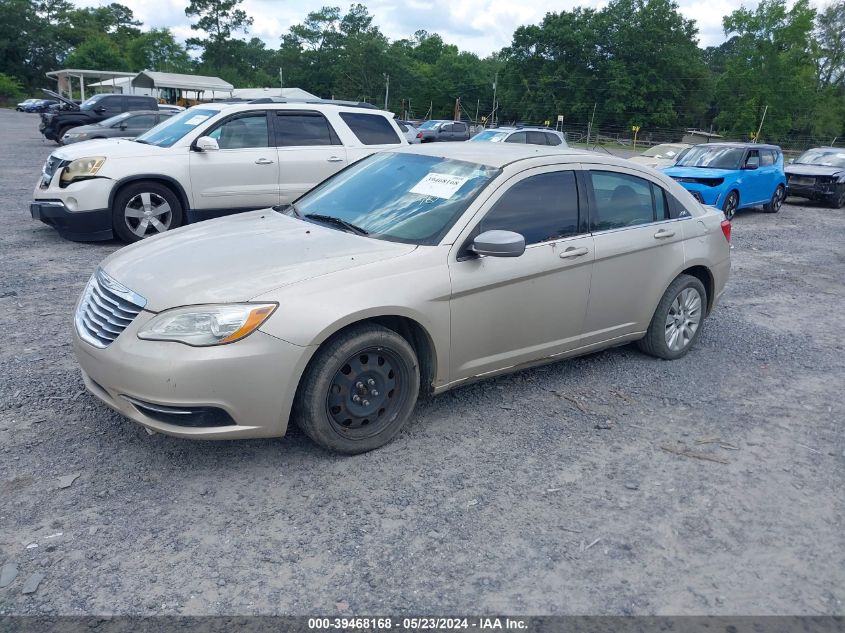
pixel 610 484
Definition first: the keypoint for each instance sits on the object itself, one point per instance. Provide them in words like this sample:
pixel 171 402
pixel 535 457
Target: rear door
pixel 638 246
pixel 137 124
pixel 309 151
pixel 370 133
pixel 244 173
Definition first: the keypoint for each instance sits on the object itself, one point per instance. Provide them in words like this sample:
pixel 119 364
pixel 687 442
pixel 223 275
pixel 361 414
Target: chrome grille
pixel 106 308
pixel 50 167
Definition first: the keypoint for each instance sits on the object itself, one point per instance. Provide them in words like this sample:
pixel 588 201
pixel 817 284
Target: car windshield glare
pixel 90 103
pixel 428 125
pixel 166 133
pixel 825 158
pixel 400 197
pixel 712 157
pixel 661 151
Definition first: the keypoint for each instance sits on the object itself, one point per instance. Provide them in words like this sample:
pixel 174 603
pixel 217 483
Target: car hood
pixel 56 95
pixel 813 170
pixel 110 148
pixel 239 257
pixel 696 172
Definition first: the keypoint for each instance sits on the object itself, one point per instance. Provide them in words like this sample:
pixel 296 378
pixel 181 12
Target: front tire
pixel 838 199
pixel 776 202
pixel 358 390
pixel 730 205
pixel 144 209
pixel 676 324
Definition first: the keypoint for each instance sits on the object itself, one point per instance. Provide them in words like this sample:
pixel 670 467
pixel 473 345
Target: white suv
pixel 210 160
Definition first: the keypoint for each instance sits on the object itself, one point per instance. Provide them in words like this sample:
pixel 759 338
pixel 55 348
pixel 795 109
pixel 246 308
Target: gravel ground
pixel 544 492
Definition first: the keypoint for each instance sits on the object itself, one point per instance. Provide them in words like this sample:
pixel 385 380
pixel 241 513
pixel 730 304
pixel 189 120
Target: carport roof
pixel 151 79
pixel 92 74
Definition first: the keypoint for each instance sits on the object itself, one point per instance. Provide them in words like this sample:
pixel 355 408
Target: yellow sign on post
pixel 635 129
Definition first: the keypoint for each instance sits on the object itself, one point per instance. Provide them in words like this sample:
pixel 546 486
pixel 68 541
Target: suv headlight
pixel 206 325
pixel 82 168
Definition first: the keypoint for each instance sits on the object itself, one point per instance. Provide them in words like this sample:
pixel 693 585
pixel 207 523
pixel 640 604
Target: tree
pixel 157 49
pixel 219 19
pixel 97 52
pixel 829 36
pixel 10 88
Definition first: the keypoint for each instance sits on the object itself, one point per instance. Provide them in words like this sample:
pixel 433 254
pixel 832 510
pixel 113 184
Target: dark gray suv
pixel 441 130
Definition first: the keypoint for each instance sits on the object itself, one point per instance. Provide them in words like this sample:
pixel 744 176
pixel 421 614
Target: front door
pixel 243 174
pixel 309 151
pixel 514 310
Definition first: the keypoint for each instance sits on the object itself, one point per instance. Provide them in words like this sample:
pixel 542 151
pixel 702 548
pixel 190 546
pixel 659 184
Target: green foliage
pixel 10 88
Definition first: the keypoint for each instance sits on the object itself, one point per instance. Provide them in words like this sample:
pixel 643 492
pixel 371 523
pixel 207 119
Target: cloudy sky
pixel 481 26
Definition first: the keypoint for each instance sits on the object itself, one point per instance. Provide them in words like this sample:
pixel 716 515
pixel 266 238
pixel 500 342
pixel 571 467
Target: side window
pixel 137 103
pixel 661 208
pixel 541 208
pixel 536 138
pixel 112 104
pixel 298 129
pixel 621 200
pixel 552 139
pixel 371 129
pixel 516 137
pixel 767 158
pixel 142 121
pixel 242 132
pixel 753 159
pixel 460 128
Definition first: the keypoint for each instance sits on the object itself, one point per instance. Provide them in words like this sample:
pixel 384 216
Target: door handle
pixel 573 252
pixel 662 234
pixel 334 159
pixel 264 161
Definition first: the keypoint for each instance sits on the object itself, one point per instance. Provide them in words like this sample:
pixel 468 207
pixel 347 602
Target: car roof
pixel 222 106
pixel 741 145
pixel 499 154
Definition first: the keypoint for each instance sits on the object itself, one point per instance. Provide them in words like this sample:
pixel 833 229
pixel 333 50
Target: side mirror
pixel 123 126
pixel 750 166
pixel 791 160
pixel 498 244
pixel 100 109
pixel 206 144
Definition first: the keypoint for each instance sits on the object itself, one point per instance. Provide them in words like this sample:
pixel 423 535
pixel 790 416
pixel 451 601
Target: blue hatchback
pixel 733 176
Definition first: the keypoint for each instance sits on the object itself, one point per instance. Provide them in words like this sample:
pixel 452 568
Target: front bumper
pixel 80 211
pixel 704 194
pixel 815 191
pixel 253 382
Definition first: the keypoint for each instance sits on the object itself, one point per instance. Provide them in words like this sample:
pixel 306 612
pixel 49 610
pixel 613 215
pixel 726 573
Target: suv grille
pixel 53 163
pixel 106 308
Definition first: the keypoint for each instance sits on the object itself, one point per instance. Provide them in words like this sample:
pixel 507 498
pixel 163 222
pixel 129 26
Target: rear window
pixel 371 129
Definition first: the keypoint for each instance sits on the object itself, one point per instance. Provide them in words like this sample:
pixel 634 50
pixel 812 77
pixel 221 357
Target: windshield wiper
pixel 330 219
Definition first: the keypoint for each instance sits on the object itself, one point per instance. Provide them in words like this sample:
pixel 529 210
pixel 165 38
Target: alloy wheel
pixel 777 199
pixel 730 205
pixel 146 211
pixel 683 319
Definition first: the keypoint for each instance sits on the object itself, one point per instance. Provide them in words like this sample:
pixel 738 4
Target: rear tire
pixel 776 202
pixel 130 219
pixel 676 324
pixel 730 205
pixel 358 390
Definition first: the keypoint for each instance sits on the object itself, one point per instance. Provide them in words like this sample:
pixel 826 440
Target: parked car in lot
pixel 413 271
pixel 126 125
pixel 20 107
pixel 818 174
pixel 207 161
pixel 663 155
pixel 440 130
pixel 39 105
pixel 529 135
pixel 54 125
pixel 172 109
pixel 733 176
pixel 412 135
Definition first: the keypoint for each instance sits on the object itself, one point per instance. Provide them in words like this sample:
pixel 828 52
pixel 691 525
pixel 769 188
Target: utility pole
pixel 386 89
pixel 759 129
pixel 281 81
pixel 495 83
pixel 477 104
pixel 590 124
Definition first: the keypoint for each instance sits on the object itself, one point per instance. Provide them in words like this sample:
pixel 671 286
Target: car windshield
pixel 490 136
pixel 662 151
pixel 166 133
pixel 428 125
pixel 90 104
pixel 115 119
pixel 715 157
pixel 399 197
pixel 826 158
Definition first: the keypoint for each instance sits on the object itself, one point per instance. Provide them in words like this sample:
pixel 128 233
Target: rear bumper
pixel 81 226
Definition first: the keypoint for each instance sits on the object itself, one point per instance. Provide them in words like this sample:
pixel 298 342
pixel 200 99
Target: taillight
pixel 419 134
pixel 726 229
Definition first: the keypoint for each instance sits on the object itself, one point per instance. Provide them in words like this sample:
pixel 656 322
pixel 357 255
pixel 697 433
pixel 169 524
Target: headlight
pixel 76 134
pixel 207 324
pixel 82 168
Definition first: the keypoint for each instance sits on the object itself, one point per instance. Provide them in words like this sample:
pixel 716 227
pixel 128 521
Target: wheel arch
pixel 409 328
pixel 705 276
pixel 168 181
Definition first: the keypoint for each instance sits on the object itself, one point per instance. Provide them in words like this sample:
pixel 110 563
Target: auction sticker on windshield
pixel 439 185
pixel 196 120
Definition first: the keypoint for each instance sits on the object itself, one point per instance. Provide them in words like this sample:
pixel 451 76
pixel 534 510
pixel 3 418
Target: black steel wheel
pixel 774 205
pixel 359 389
